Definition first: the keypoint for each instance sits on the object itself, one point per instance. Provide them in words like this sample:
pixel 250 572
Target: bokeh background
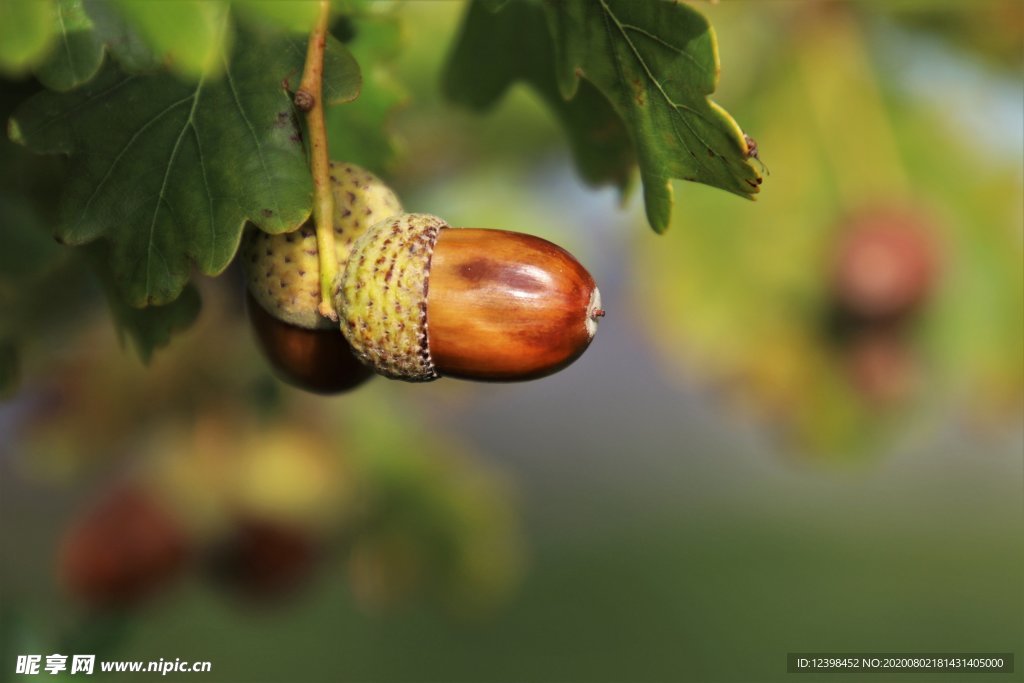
pixel 798 429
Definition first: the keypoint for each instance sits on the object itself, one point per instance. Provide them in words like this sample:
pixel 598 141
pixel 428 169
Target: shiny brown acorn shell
pixel 319 360
pixel 505 306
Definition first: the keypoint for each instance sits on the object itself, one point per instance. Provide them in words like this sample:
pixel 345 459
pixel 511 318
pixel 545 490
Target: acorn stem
pixel 309 99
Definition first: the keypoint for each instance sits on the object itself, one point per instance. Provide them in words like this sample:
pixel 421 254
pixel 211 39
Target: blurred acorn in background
pixel 123 549
pixel 885 269
pixel 885 264
pixel 263 559
pixel 882 365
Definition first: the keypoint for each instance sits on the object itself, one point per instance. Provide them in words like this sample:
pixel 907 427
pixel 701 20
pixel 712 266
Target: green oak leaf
pixel 168 172
pixel 78 52
pixel 497 48
pixel 26 34
pixel 148 328
pixel 656 62
pixel 359 131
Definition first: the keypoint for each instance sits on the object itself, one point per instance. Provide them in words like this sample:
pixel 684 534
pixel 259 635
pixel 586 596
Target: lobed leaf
pixel 168 172
pixel 150 328
pixel 656 62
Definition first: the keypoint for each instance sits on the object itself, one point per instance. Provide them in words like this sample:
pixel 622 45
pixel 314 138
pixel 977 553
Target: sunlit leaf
pixel 295 15
pixel 26 33
pixel 189 36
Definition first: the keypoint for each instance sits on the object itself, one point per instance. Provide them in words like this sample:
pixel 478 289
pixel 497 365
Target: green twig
pixel 309 99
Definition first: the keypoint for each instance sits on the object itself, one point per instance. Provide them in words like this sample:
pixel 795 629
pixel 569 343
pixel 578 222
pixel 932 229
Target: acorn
pixel 882 366
pixel 319 361
pixel 885 266
pixel 283 280
pixel 263 559
pixel 419 300
pixel 125 549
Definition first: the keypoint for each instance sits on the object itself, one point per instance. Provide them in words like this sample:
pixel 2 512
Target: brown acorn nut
pixel 885 264
pixel 263 559
pixel 319 361
pixel 123 550
pixel 419 299
pixel 283 280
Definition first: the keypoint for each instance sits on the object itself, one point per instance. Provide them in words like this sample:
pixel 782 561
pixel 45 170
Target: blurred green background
pixel 727 475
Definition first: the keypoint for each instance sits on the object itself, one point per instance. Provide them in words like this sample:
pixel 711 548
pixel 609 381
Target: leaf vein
pixel 252 131
pixel 120 155
pixel 657 84
pixel 661 41
pixel 64 41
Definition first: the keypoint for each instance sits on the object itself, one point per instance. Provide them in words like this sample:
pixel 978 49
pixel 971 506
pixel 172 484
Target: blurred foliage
pixel 750 310
pixel 992 29
pixel 190 37
pixel 26 33
pixel 259 489
pixel 361 131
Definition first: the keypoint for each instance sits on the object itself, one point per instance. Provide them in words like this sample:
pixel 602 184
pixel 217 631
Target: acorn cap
pixel 382 296
pixel 283 271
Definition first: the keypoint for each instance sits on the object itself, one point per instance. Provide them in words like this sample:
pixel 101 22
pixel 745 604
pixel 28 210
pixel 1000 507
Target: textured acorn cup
pixel 419 299
pixel 319 361
pixel 283 271
pixel 283 281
